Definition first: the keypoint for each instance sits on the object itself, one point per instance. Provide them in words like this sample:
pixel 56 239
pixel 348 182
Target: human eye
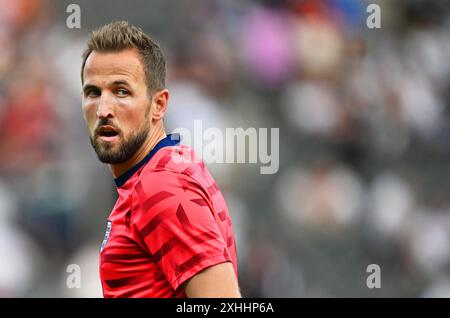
pixel 121 92
pixel 92 92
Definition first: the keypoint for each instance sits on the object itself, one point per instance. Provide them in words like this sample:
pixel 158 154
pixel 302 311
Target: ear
pixel 160 100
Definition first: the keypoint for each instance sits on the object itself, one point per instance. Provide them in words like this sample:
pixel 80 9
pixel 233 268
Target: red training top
pixel 169 223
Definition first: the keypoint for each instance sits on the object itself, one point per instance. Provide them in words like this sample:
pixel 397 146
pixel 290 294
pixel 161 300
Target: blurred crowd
pixel 364 116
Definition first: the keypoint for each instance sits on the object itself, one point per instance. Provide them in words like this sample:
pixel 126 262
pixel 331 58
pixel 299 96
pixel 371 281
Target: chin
pixel 111 158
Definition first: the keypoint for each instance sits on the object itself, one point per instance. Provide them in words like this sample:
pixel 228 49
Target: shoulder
pixel 173 170
pixel 177 159
pixel 170 188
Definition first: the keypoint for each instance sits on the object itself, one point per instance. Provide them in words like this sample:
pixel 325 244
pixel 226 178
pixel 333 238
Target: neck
pixel 155 137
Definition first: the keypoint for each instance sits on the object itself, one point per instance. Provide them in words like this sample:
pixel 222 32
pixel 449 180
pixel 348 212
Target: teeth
pixel 107 132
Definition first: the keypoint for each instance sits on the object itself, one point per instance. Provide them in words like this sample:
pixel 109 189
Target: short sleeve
pixel 176 223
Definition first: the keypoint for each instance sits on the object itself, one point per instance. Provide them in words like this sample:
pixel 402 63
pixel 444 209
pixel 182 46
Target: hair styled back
pixel 120 35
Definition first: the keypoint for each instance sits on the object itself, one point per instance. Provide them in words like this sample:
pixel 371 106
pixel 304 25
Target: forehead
pixel 126 64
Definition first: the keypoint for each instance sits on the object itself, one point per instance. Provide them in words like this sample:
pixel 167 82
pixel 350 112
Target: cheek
pixel 89 114
pixel 132 117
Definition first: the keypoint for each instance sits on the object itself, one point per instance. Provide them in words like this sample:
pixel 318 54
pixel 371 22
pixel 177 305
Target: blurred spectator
pixel 20 258
pixel 323 197
pixel 391 204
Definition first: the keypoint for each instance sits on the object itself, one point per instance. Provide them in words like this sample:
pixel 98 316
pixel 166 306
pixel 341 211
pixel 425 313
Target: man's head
pixel 123 77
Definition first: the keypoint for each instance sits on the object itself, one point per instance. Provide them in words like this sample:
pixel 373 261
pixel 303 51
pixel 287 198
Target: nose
pixel 105 107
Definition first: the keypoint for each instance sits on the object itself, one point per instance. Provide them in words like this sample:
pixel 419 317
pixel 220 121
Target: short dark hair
pixel 120 35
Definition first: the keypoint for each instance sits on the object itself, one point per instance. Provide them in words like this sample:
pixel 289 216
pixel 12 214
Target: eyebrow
pixel 121 82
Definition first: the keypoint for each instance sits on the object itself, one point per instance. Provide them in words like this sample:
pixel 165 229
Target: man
pixel 169 233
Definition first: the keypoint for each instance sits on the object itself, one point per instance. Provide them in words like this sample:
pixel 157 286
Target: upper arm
pixel 214 282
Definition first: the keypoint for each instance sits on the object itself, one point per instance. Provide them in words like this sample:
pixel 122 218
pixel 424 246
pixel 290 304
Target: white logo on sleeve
pixel 105 239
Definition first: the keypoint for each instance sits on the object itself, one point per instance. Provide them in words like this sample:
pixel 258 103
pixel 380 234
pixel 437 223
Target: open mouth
pixel 107 132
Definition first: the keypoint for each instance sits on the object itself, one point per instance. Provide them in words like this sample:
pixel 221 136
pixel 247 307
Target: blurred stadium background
pixel 364 140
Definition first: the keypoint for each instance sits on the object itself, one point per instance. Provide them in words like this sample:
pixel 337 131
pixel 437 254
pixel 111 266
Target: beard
pixel 125 150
